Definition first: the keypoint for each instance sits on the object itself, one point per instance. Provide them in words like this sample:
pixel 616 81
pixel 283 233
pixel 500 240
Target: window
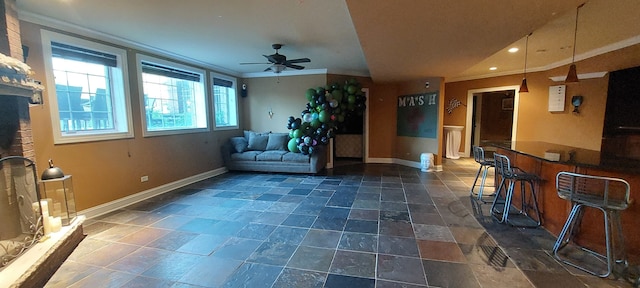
pixel 173 99
pixel 225 102
pixel 90 101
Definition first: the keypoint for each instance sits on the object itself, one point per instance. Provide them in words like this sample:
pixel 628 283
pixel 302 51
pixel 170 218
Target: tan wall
pixel 284 96
pixel 104 171
pixel 410 148
pixel 535 122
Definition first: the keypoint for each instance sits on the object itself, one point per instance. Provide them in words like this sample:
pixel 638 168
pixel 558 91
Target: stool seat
pixel 610 196
pixel 501 208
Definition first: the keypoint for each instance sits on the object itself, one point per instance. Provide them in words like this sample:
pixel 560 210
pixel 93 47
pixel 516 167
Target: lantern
pixel 57 198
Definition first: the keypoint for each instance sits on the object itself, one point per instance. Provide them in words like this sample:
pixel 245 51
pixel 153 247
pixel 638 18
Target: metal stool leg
pixel 611 222
pixel 484 170
pixel 498 200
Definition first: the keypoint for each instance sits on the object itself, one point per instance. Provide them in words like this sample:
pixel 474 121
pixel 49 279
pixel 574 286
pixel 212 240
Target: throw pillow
pixel 278 141
pixel 258 142
pixel 239 144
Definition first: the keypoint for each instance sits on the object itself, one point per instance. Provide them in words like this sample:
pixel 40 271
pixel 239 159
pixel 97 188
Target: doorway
pixel 492 116
pixel 351 146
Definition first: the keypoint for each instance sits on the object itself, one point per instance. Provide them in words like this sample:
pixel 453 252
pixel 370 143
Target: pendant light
pixel 572 76
pixel 523 86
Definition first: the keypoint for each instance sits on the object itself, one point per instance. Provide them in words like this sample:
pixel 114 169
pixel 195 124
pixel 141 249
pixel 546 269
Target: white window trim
pixel 81 136
pixel 234 80
pixel 143 113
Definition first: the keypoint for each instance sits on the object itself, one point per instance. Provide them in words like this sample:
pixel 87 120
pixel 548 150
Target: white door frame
pixel 365 134
pixel 365 129
pixel 516 108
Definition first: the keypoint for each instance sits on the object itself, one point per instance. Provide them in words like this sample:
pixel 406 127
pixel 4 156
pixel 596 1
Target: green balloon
pixel 337 94
pixel 340 118
pixel 352 89
pixel 315 123
pixel 293 147
pixel 297 133
pixel 291 134
pixel 324 116
pixel 351 99
pixel 310 93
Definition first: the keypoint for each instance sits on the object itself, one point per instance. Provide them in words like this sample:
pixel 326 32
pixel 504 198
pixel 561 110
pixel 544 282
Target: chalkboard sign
pixel 418 115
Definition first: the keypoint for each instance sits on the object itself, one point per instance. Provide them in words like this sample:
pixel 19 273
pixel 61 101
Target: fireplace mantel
pixel 11 89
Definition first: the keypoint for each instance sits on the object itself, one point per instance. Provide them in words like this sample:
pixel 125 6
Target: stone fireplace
pixel 19 210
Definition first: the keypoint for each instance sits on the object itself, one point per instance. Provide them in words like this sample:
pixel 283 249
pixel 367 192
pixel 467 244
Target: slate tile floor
pixel 376 225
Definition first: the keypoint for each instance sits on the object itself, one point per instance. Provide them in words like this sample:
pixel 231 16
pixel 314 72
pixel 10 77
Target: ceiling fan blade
pixel 271 59
pixel 301 60
pixel 297 67
pixel 268 69
pixel 251 63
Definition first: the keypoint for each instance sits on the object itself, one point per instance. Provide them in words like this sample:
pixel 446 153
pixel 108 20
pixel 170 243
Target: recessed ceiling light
pixel 493 68
pixel 513 50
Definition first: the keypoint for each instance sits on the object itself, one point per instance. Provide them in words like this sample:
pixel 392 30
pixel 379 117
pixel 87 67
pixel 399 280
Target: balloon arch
pixel 325 113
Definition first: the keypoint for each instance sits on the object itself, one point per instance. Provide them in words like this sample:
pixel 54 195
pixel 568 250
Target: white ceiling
pixel 387 40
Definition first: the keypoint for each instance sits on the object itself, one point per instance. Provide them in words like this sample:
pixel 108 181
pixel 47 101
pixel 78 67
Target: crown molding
pixel 580 76
pixel 284 73
pixel 589 54
pixel 82 31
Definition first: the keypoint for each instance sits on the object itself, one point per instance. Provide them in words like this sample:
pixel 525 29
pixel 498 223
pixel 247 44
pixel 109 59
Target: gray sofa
pixel 267 152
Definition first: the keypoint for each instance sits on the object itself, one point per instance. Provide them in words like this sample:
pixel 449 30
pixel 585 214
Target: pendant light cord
pixel 575 34
pixel 526 49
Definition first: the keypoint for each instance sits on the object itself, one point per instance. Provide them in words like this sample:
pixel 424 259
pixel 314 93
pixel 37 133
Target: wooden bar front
pixel 554 210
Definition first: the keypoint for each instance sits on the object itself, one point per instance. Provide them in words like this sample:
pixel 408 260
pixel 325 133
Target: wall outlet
pixel 144 178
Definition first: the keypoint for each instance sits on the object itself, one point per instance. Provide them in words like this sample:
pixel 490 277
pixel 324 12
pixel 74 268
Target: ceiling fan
pixel 279 62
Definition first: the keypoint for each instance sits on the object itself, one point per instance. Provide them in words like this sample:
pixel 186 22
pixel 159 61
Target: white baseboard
pixel 135 198
pixel 406 163
pixel 380 160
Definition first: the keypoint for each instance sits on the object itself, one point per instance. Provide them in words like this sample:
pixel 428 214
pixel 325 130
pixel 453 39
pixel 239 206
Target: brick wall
pixel 11 43
pixel 15 123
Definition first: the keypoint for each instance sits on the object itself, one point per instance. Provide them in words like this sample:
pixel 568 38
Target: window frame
pixel 234 86
pixel 143 113
pixel 123 123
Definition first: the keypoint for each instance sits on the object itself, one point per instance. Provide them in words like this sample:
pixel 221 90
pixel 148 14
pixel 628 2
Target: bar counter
pixel 547 159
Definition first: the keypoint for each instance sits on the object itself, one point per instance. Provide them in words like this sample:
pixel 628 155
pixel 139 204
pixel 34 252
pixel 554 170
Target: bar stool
pixel 485 164
pixel 609 195
pixel 501 209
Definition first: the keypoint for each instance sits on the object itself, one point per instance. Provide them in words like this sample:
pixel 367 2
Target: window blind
pixel 82 54
pixel 169 72
pixel 222 82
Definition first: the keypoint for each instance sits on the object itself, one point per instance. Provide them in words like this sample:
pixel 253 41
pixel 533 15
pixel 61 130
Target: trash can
pixel 426 162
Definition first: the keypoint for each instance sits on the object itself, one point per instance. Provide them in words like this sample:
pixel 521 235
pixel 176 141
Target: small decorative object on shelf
pixel 15 80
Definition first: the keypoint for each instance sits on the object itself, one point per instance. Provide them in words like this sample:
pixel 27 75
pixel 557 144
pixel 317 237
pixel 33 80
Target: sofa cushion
pixel 245 156
pixel 278 141
pixel 270 155
pixel 239 144
pixel 295 157
pixel 258 142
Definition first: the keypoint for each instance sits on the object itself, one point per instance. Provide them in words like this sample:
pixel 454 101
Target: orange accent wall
pixel 535 123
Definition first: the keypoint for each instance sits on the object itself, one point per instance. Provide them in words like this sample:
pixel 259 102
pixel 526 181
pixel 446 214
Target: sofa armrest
pixel 226 151
pixel 318 159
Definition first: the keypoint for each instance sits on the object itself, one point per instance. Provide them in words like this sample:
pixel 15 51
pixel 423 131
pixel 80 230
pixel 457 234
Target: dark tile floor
pixel 376 225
